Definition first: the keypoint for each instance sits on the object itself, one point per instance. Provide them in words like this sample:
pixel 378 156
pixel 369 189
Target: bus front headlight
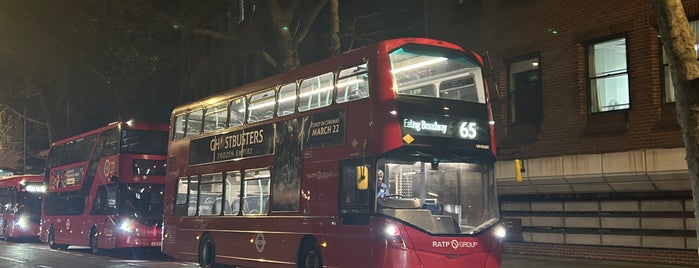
pixel 127 225
pixel 22 222
pixel 500 231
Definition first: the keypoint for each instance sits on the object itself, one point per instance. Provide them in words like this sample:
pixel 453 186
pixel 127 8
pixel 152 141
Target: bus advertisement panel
pixel 20 201
pixel 379 157
pixel 105 188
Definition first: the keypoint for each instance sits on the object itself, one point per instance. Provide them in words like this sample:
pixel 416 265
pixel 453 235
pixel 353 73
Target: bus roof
pixel 16 180
pixel 131 124
pixel 348 58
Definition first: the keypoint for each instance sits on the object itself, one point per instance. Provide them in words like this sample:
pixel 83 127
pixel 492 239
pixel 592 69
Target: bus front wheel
pixel 5 236
pixel 94 242
pixel 309 255
pixel 207 252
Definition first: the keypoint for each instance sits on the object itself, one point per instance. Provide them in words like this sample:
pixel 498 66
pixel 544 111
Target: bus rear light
pixel 394 237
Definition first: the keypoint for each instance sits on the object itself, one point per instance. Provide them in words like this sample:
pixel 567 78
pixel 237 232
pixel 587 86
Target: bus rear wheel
pixel 207 252
pixel 52 240
pixel 309 255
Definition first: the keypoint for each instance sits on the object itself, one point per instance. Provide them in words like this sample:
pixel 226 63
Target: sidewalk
pixel 530 261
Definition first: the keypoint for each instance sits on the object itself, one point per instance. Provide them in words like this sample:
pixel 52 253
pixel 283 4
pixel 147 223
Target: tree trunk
pixel 679 41
pixel 334 28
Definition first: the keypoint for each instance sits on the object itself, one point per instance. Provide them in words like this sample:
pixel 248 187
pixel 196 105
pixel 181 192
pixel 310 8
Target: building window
pixel 608 75
pixel 669 94
pixel 524 92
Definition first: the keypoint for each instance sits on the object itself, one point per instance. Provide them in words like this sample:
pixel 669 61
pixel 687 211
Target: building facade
pixel 581 93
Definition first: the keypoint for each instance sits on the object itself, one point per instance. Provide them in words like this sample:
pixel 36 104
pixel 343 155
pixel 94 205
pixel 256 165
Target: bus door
pixel 355 212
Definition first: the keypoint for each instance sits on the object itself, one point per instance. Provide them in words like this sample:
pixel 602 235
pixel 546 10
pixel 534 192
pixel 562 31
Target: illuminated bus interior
pixel 312 93
pixel 444 198
pixel 436 73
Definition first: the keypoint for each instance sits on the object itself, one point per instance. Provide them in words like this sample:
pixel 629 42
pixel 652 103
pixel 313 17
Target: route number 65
pixel 467 130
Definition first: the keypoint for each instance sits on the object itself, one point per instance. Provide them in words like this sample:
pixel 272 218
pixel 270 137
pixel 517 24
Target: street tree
pixel 679 42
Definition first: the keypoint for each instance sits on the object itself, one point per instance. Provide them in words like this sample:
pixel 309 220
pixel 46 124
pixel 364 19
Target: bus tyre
pixel 309 255
pixel 207 252
pixel 94 241
pixel 4 231
pixel 52 240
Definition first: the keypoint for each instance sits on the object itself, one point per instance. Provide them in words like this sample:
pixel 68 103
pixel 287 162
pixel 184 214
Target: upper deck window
pixel 194 122
pixel 316 92
pixel 352 84
pixel 215 117
pixel 261 106
pixel 236 112
pixel 437 73
pixel 286 100
pixel 143 142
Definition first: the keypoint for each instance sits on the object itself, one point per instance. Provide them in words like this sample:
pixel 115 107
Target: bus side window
pixel 256 192
pixel 316 92
pixel 178 127
pixel 232 196
pixel 286 100
pixel 261 106
pixel 210 189
pixel 215 117
pixel 236 112
pixel 193 194
pixel 352 84
pixel 181 198
pixel 194 122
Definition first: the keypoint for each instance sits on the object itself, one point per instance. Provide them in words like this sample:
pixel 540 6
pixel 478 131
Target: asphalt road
pixel 528 261
pixel 39 255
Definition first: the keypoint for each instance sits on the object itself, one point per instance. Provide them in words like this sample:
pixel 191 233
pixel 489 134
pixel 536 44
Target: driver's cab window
pixel 105 201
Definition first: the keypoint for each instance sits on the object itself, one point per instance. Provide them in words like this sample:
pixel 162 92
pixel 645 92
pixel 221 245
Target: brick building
pixel 581 94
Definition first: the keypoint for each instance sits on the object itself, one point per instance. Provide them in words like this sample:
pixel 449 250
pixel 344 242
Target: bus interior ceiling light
pixel 418 65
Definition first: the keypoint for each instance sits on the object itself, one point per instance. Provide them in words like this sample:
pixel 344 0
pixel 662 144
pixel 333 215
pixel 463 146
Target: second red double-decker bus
pixel 380 157
pixel 20 198
pixel 105 188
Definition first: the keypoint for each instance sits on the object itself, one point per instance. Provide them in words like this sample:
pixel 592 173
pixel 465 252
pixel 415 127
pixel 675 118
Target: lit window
pixel 236 112
pixel 316 92
pixel 352 84
pixel 608 76
pixel 287 100
pixel 194 122
pixel 261 106
pixel 215 117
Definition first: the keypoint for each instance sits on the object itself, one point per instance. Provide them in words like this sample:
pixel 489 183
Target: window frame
pixel 593 79
pixel 513 102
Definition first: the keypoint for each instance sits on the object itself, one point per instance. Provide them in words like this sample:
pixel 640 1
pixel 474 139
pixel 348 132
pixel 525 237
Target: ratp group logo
pixel 455 244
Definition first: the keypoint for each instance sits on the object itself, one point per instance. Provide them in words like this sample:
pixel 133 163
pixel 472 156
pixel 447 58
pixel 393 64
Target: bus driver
pixel 383 188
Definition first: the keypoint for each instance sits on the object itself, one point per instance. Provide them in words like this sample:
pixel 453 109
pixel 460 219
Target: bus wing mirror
pixel 362 178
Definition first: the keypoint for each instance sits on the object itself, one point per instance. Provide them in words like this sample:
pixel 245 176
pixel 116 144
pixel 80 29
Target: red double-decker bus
pixel 20 198
pixel 105 188
pixel 380 157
